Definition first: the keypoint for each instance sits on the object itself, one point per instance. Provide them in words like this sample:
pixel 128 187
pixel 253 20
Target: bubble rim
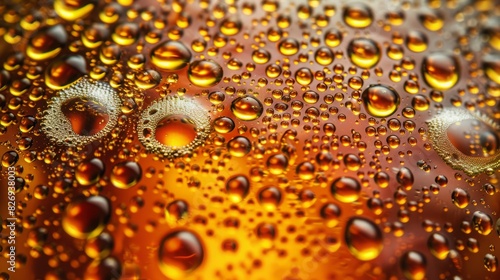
pixel 87 88
pixel 438 125
pixel 168 106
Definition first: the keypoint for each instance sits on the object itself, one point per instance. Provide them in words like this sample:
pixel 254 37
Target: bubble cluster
pixel 66 130
pixel 171 106
pixel 457 134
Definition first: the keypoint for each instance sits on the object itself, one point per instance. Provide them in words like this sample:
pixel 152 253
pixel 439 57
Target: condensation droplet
pixel 86 218
pixel 363 238
pixel 180 252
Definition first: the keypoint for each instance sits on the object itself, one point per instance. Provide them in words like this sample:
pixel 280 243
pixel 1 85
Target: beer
pixel 240 139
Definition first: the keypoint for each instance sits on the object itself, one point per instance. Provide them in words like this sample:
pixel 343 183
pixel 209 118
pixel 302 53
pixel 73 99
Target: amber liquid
pixel 266 139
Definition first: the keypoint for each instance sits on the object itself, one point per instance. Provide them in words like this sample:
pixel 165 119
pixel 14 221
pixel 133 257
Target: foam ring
pixel 437 132
pixel 58 128
pixel 169 106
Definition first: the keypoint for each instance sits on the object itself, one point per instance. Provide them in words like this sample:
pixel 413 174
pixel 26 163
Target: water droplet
pixel 10 158
pixel 416 41
pixel 224 125
pixel 364 53
pixel 331 213
pixel 460 198
pixel 125 33
pixel 482 222
pixel 170 55
pixel 176 211
pixel 382 179
pixel 100 246
pixel 247 108
pixel 72 10
pixel 126 174
pixel 277 164
pixel 237 188
pixel 89 172
pixel 261 56
pixel 405 177
pixel 266 232
pixel 346 189
pixel 230 26
pixel 147 79
pixel 352 162
pixel 491 67
pixel 205 73
pixel 46 42
pixel 431 20
pixel 180 252
pixel 380 101
pixel 305 170
pixel 333 38
pixel 37 237
pixel 270 198
pixel 363 238
pixel 65 71
pixel 304 76
pixel 86 218
pixel 414 265
pixel 438 245
pixel 323 56
pixel 490 262
pixel 107 268
pixel 358 15
pixel 239 146
pixel 441 71
pixel 110 54
pixel 94 35
pixel 288 46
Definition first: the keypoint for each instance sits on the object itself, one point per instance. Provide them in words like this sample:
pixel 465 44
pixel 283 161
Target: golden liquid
pixel 200 139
